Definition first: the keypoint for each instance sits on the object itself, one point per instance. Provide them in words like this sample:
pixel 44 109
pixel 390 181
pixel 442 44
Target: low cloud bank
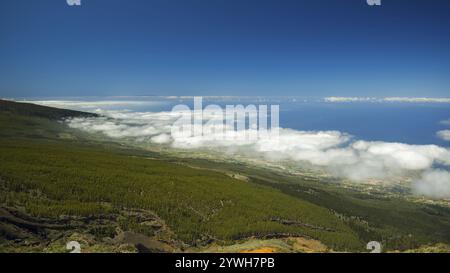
pixel 387 99
pixel 337 152
pixel 444 134
pixel 434 183
pixel 351 99
pixel 445 122
pixel 93 105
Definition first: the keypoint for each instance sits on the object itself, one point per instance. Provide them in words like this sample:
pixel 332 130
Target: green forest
pixel 56 181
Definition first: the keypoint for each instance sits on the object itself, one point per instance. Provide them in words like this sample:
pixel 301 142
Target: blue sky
pixel 224 47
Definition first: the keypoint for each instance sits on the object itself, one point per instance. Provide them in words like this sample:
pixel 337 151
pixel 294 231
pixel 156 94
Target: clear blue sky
pixel 224 47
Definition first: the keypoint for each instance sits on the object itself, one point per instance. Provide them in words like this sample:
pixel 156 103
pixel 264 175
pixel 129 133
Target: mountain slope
pixel 55 182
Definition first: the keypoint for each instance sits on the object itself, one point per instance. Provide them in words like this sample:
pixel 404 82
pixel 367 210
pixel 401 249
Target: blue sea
pixel 406 123
pixel 411 123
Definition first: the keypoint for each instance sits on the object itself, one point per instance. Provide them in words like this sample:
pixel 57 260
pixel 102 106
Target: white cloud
pixel 445 122
pixel 350 99
pixel 126 124
pixel 444 134
pixel 416 100
pixel 161 139
pixel 92 105
pixel 387 99
pixel 433 183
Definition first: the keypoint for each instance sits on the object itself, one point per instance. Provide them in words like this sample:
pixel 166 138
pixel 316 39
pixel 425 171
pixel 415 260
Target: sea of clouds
pixel 339 153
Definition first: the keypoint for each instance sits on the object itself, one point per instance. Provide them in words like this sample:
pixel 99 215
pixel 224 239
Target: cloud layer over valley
pixel 337 152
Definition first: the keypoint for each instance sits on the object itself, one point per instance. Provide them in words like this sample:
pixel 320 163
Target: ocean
pixel 404 122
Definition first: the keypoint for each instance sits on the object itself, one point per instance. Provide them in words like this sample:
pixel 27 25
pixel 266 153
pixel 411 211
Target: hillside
pixel 33 110
pixel 58 185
